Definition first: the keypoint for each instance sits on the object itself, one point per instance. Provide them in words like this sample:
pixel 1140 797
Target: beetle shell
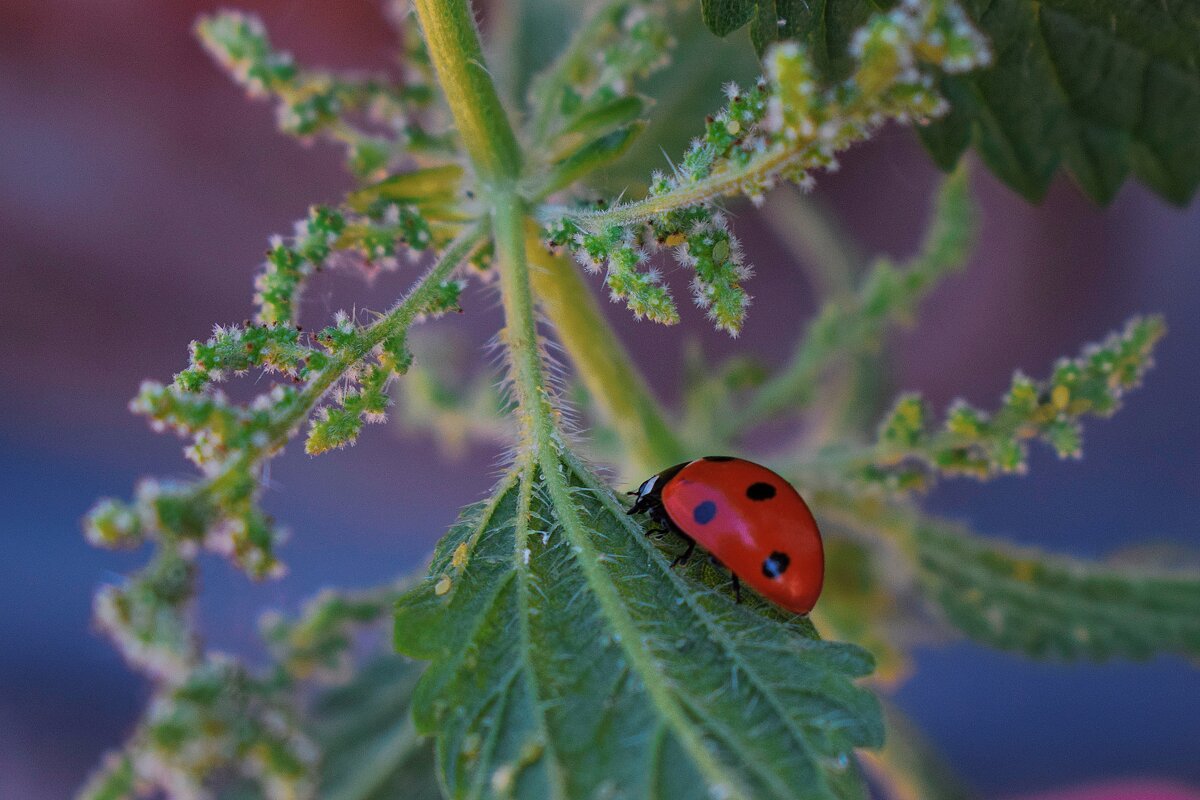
pixel 752 521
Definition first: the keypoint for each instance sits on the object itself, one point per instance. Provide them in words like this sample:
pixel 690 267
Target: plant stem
pixel 457 57
pixel 625 402
pixel 722 182
pixel 543 447
pixel 602 362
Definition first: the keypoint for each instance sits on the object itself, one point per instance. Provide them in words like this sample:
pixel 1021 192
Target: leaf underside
pixel 1104 89
pixel 591 669
pixel 1050 607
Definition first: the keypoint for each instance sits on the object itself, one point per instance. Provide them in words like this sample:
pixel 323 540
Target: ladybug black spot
pixel 704 512
pixel 776 564
pixel 760 491
pixel 718 458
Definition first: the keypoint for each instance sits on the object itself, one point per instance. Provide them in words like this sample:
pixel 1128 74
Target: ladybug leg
pixel 682 560
pixel 737 584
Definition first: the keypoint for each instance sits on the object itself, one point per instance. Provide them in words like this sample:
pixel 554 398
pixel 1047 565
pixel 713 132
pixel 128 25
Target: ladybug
pixel 748 518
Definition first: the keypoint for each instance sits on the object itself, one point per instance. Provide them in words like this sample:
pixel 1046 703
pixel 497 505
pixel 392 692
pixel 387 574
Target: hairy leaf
pixel 570 661
pixel 1021 599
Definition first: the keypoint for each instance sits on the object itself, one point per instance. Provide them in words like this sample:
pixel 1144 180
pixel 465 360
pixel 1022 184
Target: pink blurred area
pixel 1123 790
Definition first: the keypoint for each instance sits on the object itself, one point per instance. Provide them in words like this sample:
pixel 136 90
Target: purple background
pixel 137 190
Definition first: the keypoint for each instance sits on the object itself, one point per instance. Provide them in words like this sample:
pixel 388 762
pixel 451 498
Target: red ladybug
pixel 749 519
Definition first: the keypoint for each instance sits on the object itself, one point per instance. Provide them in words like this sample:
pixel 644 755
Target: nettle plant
pixel 551 649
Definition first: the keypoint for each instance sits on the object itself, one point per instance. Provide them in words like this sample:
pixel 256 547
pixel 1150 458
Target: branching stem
pixel 400 316
pixel 725 181
pixel 618 389
pixel 602 363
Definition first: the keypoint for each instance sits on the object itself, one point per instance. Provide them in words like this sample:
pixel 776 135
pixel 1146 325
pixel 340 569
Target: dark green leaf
pixel 1021 599
pixel 593 156
pixel 569 660
pixel 823 26
pixel 1103 89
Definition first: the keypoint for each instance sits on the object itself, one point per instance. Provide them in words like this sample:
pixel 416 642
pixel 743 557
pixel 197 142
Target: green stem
pixel 520 332
pixel 625 402
pixel 542 446
pixel 457 58
pixel 602 363
pixel 725 181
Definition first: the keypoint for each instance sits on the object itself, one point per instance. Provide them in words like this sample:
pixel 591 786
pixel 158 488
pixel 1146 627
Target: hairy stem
pixel 543 447
pixel 625 402
pixel 725 181
pixel 457 57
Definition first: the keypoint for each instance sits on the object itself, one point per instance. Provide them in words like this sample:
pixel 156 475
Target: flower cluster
pixel 218 720
pixel 970 442
pixel 374 236
pixel 315 103
pixel 230 441
pixel 781 129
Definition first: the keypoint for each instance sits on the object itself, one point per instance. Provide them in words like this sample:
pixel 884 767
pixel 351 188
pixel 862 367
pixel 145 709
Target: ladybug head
pixel 649 494
pixel 648 488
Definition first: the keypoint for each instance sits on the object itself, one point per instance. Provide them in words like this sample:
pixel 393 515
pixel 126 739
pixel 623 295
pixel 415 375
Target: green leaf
pixel 431 187
pixel 370 748
pixel 592 156
pixel 1103 89
pixel 1021 599
pixel 569 660
pixel 823 26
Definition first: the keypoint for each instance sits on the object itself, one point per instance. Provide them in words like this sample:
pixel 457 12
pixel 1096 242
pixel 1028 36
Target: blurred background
pixel 137 191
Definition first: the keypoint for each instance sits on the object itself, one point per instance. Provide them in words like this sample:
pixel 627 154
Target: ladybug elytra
pixel 748 518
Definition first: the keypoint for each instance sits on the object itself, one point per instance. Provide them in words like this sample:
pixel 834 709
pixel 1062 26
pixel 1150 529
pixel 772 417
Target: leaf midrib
pixel 630 637
pixel 520 546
